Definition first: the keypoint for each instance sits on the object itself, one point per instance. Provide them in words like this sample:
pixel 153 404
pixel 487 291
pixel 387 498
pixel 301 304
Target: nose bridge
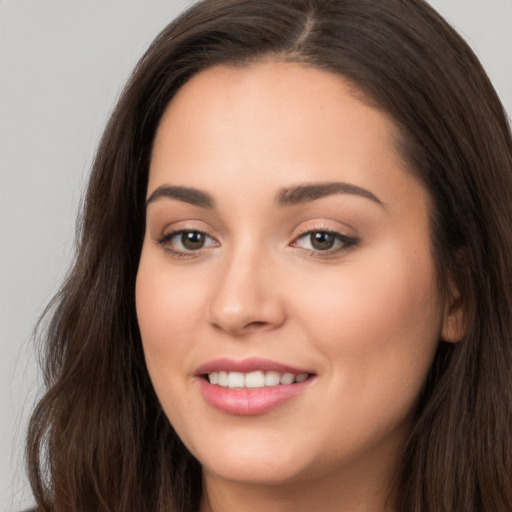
pixel 245 297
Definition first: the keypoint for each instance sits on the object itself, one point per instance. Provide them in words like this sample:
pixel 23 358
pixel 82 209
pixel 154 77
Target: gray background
pixel 62 64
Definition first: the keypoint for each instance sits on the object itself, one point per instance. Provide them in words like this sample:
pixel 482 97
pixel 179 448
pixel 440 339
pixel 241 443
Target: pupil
pixel 192 240
pixel 322 240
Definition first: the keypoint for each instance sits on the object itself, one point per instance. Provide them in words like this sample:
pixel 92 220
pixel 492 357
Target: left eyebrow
pixel 185 194
pixel 311 192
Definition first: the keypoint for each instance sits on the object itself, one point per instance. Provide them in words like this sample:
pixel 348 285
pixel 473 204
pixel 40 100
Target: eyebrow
pixel 310 192
pixel 186 194
pixel 290 196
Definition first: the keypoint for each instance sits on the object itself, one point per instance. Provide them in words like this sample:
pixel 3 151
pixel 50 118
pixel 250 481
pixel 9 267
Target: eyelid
pixel 345 241
pixel 164 237
pixel 324 225
pixel 342 243
pixel 182 252
pixel 175 232
pixel 160 228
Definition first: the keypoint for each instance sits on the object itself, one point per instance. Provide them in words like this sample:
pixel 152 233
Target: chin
pixel 252 459
pixel 263 471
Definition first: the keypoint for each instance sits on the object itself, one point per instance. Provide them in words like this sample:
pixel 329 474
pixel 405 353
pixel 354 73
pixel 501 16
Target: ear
pixel 455 317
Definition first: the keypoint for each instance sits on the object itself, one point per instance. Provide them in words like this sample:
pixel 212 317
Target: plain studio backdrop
pixel 62 65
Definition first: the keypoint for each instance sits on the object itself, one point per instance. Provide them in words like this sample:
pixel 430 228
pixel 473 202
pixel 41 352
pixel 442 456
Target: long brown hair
pixel 98 439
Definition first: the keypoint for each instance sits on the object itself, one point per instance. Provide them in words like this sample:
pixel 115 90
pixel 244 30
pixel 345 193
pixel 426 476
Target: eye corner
pixel 186 242
pixel 324 242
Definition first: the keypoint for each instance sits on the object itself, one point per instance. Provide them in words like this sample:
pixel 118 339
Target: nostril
pixel 256 325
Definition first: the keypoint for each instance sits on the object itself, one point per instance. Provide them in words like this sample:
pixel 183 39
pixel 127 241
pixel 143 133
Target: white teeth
pixel 257 379
pixel 272 379
pixel 223 379
pixel 287 378
pixel 236 380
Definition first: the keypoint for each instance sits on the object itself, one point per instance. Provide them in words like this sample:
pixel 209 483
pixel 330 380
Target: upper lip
pixel 248 365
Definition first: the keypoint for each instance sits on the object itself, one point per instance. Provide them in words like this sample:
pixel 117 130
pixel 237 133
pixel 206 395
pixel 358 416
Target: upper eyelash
pixel 175 252
pixel 348 242
pixel 167 236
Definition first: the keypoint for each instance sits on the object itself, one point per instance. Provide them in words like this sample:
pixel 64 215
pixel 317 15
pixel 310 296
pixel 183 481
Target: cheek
pixel 377 321
pixel 168 304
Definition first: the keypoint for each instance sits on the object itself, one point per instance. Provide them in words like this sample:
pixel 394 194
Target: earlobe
pixel 455 320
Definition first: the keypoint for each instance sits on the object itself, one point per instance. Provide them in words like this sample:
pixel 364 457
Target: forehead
pixel 270 123
pixel 273 92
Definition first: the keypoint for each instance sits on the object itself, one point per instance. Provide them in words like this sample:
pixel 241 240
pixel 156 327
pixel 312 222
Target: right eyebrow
pixel 312 191
pixel 186 194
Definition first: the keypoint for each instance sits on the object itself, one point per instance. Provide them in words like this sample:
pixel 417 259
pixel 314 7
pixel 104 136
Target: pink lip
pixel 246 402
pixel 251 364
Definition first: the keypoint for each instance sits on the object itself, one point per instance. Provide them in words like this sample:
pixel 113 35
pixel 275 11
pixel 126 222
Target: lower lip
pixel 247 402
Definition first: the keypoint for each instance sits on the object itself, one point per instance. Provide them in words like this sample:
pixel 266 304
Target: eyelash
pixel 165 240
pixel 345 243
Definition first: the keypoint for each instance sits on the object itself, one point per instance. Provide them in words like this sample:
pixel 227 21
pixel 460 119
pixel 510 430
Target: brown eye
pixel 193 240
pixel 187 242
pixel 322 240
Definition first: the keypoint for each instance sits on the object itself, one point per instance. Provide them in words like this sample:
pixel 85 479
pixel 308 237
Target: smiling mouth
pixel 255 379
pixel 251 386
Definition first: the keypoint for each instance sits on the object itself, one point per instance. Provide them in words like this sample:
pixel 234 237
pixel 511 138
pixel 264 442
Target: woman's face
pixel 286 260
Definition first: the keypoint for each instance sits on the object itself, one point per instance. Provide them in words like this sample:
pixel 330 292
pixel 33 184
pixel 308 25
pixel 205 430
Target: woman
pixel 293 287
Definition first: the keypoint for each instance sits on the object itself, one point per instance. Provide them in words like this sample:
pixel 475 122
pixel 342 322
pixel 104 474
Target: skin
pixel 365 318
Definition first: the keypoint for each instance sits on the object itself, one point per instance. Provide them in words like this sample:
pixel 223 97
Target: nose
pixel 247 296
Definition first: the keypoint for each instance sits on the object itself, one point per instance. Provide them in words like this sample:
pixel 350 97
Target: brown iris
pixel 192 240
pixel 322 240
